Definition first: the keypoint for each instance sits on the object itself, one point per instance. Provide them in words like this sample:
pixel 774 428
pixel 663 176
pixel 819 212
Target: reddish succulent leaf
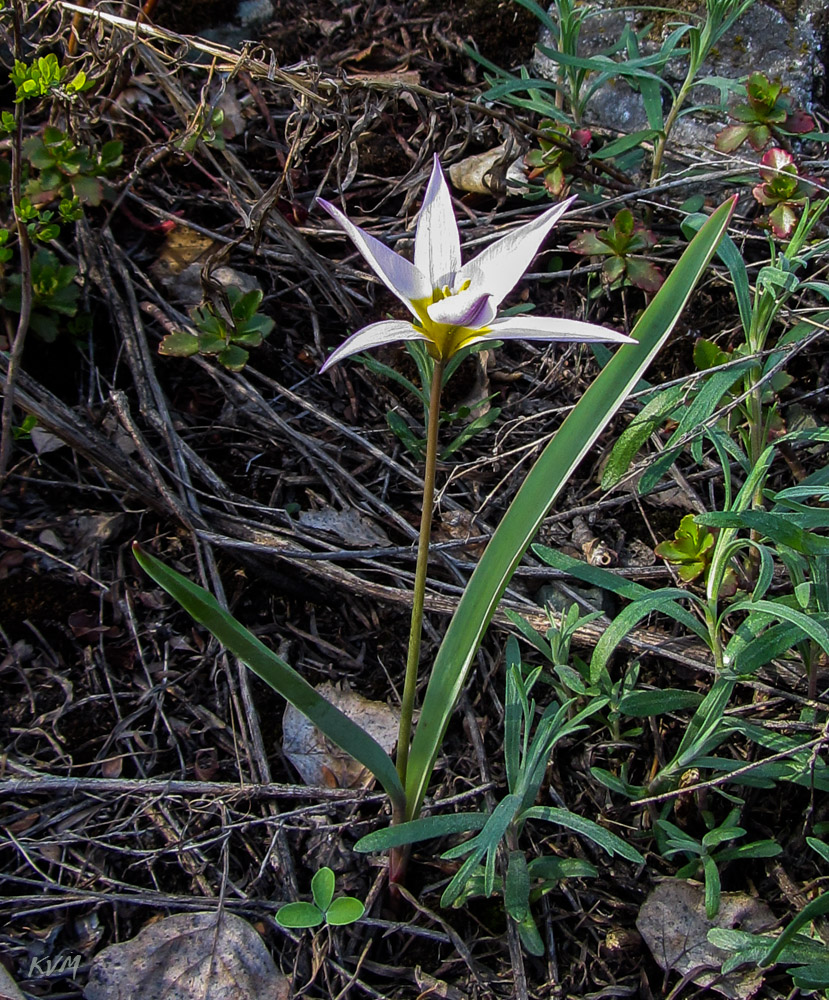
pixel 644 275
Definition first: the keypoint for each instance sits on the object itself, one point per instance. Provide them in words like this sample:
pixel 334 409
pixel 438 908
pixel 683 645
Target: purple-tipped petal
pixel 437 244
pixel 548 328
pixel 497 269
pixel 464 309
pixel 388 331
pixel 400 276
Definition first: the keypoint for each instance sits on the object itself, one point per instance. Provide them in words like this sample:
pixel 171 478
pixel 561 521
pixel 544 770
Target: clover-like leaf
pixel 344 910
pixel 322 888
pixel 299 915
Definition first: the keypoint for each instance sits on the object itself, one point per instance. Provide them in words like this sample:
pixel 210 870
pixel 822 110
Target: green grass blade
pixel 608 841
pixel 282 677
pixel 573 440
pixel 425 828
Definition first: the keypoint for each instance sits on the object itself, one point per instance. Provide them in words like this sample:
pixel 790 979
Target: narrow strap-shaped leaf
pixel 608 841
pixel 206 610
pixel 816 908
pixel 572 442
pixel 494 828
pixel 517 886
pixel 707 717
pixel 810 624
pixel 661 600
pixel 425 828
pixel 779 527
pixel 486 842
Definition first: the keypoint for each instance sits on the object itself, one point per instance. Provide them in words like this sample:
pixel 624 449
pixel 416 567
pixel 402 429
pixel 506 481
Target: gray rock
pixel 762 40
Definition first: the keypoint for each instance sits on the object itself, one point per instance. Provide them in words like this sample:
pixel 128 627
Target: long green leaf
pixel 282 677
pixel 425 828
pixel 810 625
pixel 574 439
pixel 623 624
pixel 608 841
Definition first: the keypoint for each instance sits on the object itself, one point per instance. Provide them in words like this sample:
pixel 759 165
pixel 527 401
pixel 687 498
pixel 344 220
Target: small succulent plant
pixel 764 116
pixel 620 247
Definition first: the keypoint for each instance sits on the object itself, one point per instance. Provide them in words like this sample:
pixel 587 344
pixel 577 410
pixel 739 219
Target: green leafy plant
pixel 690 551
pixel 206 127
pixel 42 76
pixel 67 170
pixel 804 954
pixel 707 854
pixel 620 248
pixel 571 679
pixel 746 378
pixel 325 908
pixel 529 740
pixel 227 338
pixel 765 115
pixel 580 77
pixel 54 293
pixel 440 323
pixel 415 443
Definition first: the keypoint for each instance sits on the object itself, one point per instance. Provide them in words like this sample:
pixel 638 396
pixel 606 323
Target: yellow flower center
pixel 445 339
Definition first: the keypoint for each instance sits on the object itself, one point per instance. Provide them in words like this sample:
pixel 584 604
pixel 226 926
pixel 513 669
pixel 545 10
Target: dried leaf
pixel 188 957
pixel 321 762
pixel 350 525
pixel 673 923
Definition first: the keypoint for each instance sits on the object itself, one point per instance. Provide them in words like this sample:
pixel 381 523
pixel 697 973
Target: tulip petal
pixel 375 335
pixel 547 328
pixel 400 276
pixel 437 252
pixel 497 269
pixel 464 309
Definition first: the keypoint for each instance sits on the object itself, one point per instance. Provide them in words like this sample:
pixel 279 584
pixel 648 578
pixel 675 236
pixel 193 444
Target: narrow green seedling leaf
pixel 206 610
pixel 609 842
pixel 643 704
pixel 425 828
pixel 517 887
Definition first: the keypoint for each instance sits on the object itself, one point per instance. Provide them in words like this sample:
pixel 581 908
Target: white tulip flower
pixel 454 305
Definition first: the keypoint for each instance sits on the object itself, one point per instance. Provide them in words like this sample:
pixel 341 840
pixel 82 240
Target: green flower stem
pixel 416 630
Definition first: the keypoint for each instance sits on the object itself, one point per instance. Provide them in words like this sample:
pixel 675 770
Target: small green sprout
pixel 325 909
pixel 765 115
pixel 44 75
pixel 690 551
pixel 205 127
pixel 620 245
pixel 708 854
pixel 53 292
pixel 227 340
pixel 67 170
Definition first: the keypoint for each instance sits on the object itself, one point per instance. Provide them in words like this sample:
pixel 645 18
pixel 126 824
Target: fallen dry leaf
pixel 485 173
pixel 321 762
pixel 673 923
pixel 350 525
pixel 189 956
